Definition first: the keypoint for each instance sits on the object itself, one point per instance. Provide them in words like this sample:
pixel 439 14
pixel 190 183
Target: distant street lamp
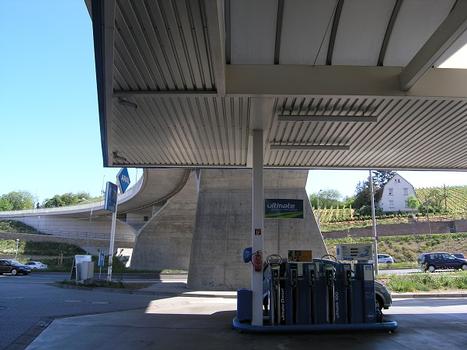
pixel 319 214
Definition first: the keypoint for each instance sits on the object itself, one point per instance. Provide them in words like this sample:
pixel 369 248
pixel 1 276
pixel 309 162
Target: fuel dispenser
pixel 330 275
pixel 365 277
pixel 319 294
pixel 298 293
pixel 363 307
pixel 274 275
pixel 342 293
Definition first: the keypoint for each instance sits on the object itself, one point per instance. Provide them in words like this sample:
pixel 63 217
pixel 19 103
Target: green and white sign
pixel 283 209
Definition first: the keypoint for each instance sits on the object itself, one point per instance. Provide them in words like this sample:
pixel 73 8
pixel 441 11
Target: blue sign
pixel 123 179
pixel 110 201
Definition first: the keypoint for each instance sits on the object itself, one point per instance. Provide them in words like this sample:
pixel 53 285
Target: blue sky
pixel 50 141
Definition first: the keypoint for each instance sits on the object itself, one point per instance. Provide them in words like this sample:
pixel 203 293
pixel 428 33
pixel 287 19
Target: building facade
pixel 396 194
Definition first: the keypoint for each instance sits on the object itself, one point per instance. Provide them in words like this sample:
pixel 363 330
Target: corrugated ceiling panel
pixel 408 133
pixel 361 31
pixel 162 45
pixel 181 131
pixel 306 27
pixel 416 22
pixel 253 31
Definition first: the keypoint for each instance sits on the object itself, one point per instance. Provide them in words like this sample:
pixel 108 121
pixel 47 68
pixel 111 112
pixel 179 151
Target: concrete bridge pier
pixel 164 242
pixel 223 225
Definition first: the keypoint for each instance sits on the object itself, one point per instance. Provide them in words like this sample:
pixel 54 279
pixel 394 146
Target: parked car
pixel 17 263
pixel 8 266
pixel 440 260
pixel 383 296
pixel 385 259
pixel 36 265
pixel 459 255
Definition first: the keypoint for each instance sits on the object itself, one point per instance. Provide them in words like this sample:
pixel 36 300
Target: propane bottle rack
pixel 317 296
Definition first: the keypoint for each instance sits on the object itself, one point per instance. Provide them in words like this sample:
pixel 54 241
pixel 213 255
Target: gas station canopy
pixel 332 83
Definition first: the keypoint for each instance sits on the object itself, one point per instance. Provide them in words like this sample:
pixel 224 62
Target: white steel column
pixel 373 217
pixel 257 229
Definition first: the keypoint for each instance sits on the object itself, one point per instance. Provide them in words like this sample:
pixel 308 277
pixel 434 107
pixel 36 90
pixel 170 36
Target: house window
pixel 391 204
pixel 390 191
pixel 406 191
pixel 406 203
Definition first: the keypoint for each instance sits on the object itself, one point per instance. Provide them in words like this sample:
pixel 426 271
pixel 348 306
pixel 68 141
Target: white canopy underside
pixel 189 80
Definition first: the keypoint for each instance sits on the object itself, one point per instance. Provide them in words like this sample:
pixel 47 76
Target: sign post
pixel 100 261
pixel 111 204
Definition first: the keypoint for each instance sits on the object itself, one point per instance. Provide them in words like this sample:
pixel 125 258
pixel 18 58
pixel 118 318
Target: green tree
pixel 362 195
pixel 326 198
pixel 16 200
pixel 381 177
pixel 349 201
pixel 363 192
pixel 413 202
pixel 62 200
pixel 5 205
pixel 431 201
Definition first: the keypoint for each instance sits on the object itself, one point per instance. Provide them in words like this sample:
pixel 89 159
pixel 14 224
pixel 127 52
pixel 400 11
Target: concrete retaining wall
pixel 79 228
pixel 415 228
pixel 165 241
pixel 223 226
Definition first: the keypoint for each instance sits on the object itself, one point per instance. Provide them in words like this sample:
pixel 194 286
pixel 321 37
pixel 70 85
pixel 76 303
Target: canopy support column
pixel 257 226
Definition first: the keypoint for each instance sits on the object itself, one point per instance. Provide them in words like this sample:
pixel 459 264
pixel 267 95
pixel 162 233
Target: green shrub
pixel 427 281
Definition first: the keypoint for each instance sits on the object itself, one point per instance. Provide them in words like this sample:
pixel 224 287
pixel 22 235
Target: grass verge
pixel 399 265
pixel 17 226
pixel 407 248
pixel 425 282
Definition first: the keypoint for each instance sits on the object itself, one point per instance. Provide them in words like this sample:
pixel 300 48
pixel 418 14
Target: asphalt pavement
pixel 27 302
pixel 205 323
pixel 57 318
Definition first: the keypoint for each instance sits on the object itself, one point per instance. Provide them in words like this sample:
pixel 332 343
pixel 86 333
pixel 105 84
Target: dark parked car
pixel 459 255
pixel 8 266
pixel 440 260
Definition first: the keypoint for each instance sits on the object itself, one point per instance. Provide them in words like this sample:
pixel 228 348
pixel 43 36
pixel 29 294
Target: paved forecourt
pixel 204 323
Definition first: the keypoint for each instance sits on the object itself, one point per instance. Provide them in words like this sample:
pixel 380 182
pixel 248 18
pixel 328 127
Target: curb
pixel 428 295
pixel 233 295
